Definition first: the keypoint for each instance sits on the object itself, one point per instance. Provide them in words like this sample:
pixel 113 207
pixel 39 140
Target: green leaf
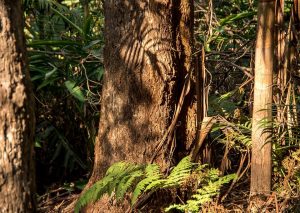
pixel 45 83
pixel 234 17
pixel 38 144
pixel 50 73
pixel 99 73
pixel 126 183
pixel 67 20
pixel 92 43
pixel 75 90
pixel 152 174
pixel 52 43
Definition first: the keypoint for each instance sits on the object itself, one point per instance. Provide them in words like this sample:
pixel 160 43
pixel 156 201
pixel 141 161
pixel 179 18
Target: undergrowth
pixel 123 177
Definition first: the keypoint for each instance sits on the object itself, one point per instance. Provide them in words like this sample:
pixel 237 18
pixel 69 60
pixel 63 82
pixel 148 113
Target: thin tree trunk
pixel 148 53
pixel 86 9
pixel 279 64
pixel 261 164
pixel 16 114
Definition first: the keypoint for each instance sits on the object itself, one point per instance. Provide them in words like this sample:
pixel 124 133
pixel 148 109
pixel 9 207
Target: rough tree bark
pixel 148 53
pixel 261 164
pixel 16 114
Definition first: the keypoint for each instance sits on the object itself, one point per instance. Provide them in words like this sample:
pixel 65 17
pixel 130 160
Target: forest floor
pixel 57 200
pixel 60 200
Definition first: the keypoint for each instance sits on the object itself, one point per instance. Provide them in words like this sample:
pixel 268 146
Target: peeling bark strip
pixel 148 53
pixel 261 164
pixel 16 114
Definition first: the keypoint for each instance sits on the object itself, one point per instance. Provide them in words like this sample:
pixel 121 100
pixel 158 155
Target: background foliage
pixel 66 68
pixel 65 44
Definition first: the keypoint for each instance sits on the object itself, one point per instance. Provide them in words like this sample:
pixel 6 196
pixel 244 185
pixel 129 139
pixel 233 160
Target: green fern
pixel 118 173
pixel 126 183
pixel 210 189
pixel 121 176
pixel 152 175
pixel 155 181
pixel 180 173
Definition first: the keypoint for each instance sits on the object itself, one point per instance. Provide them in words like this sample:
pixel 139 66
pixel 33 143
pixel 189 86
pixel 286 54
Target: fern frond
pixel 93 193
pixel 154 178
pixel 180 172
pixel 43 4
pixel 126 183
pixel 155 184
pixel 204 194
pixel 114 176
pixel 122 176
pixel 152 174
pixel 213 174
pixel 178 207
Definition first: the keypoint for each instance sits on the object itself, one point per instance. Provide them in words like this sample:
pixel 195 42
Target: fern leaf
pixel 152 174
pixel 175 206
pixel 117 171
pixel 126 183
pixel 119 166
pixel 93 193
pixel 180 172
pixel 155 184
pixel 204 194
pixel 213 174
pixel 108 184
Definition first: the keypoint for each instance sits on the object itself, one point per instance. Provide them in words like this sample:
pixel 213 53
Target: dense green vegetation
pixel 65 50
pixel 66 69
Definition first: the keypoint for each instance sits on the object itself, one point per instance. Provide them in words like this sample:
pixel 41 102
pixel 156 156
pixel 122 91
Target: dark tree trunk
pixel 148 53
pixel 16 114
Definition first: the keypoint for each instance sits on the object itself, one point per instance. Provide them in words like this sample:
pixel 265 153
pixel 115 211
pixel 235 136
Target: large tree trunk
pixel 261 164
pixel 16 114
pixel 148 53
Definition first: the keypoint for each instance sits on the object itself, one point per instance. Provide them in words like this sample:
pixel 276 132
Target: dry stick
pixel 206 126
pixel 205 84
pixel 199 95
pixel 238 175
pixel 295 108
pixel 140 202
pixel 270 200
pixel 288 112
pixel 224 162
pixel 248 165
pixel 168 135
pixel 294 58
pixel 287 67
pixel 283 72
pixel 276 204
pixel 284 203
pixel 280 40
pixel 202 106
pixel 173 145
pixel 246 82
